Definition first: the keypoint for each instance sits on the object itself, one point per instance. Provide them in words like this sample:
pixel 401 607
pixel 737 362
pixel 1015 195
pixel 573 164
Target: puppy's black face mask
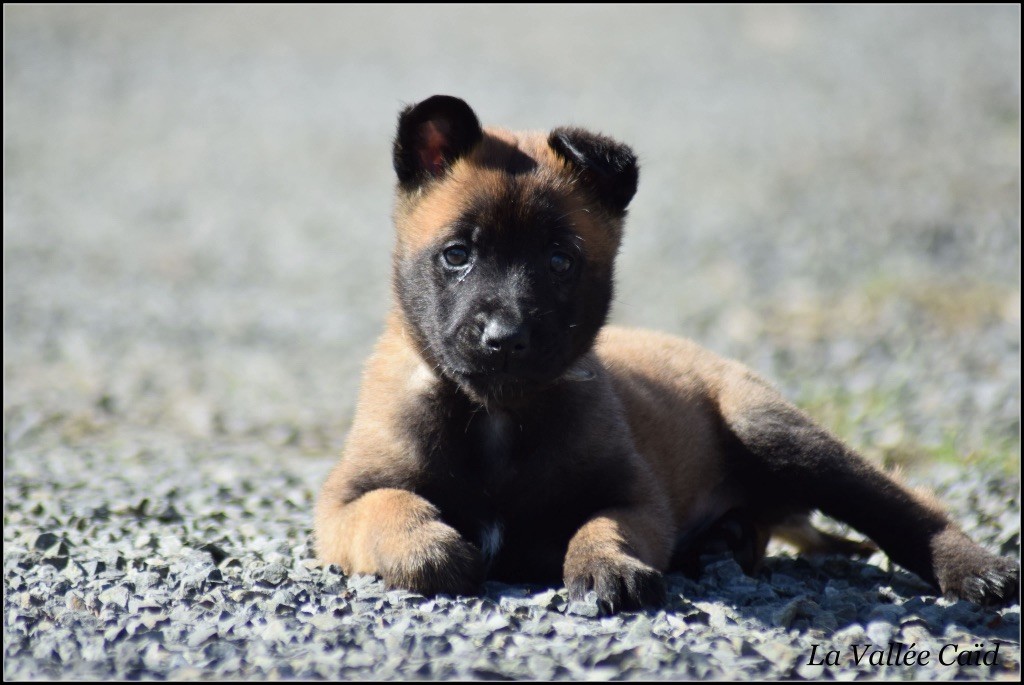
pixel 505 300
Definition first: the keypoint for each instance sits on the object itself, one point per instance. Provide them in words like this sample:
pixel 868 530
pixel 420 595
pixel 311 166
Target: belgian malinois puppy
pixel 504 431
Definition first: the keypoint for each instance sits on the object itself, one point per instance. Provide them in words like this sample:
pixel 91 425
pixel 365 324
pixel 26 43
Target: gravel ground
pixel 196 245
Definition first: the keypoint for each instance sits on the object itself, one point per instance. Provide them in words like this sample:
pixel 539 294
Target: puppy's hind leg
pixel 740 533
pixel 785 459
pixel 799 532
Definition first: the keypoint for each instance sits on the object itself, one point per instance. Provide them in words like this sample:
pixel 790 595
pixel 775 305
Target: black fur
pixel 608 167
pixel 508 278
pixel 781 456
pixel 451 118
pixel 808 468
pixel 734 533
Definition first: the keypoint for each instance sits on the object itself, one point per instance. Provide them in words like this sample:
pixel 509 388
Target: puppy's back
pixel 670 387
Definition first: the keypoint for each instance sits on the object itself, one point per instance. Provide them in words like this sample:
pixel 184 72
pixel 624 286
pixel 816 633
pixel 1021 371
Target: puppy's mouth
pixel 496 377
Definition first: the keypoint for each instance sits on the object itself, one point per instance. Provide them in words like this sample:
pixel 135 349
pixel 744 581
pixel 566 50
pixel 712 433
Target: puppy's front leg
pixel 399 536
pixel 618 554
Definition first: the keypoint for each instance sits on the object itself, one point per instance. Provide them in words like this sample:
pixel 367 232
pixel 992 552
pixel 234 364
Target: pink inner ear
pixel 433 143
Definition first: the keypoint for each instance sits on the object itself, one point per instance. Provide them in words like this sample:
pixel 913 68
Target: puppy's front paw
pixel 964 570
pixel 435 560
pixel 621 582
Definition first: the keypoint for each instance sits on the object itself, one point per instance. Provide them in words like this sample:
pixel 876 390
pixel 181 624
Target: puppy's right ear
pixel 431 136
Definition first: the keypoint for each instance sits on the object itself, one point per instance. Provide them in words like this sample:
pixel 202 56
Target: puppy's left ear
pixel 608 167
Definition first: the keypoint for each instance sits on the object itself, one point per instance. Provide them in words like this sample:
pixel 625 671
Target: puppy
pixel 504 431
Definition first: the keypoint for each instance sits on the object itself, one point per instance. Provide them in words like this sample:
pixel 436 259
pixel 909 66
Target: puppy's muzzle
pixel 501 337
pixel 504 343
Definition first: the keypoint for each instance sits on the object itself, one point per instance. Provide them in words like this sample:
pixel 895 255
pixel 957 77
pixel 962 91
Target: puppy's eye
pixel 561 263
pixel 457 255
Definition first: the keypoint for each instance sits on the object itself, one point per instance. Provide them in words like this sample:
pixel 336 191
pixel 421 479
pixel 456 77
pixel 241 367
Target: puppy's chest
pixel 477 492
pixel 491 439
pixel 515 490
pixel 489 462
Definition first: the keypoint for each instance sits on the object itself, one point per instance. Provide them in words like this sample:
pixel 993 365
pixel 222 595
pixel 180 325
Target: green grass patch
pixel 872 423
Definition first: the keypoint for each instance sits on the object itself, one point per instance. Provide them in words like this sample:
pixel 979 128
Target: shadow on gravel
pixel 827 596
pixel 833 596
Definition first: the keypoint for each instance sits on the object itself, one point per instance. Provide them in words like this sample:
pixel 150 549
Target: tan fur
pixel 394 374
pixel 373 525
pixel 799 532
pixel 667 386
pixel 675 393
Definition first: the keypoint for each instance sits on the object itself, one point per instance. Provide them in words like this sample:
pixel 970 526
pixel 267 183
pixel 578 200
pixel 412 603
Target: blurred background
pixel 197 205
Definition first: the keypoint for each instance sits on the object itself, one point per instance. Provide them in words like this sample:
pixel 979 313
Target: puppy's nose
pixel 503 337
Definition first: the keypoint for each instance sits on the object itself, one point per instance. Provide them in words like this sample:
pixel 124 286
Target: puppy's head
pixel 506 242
